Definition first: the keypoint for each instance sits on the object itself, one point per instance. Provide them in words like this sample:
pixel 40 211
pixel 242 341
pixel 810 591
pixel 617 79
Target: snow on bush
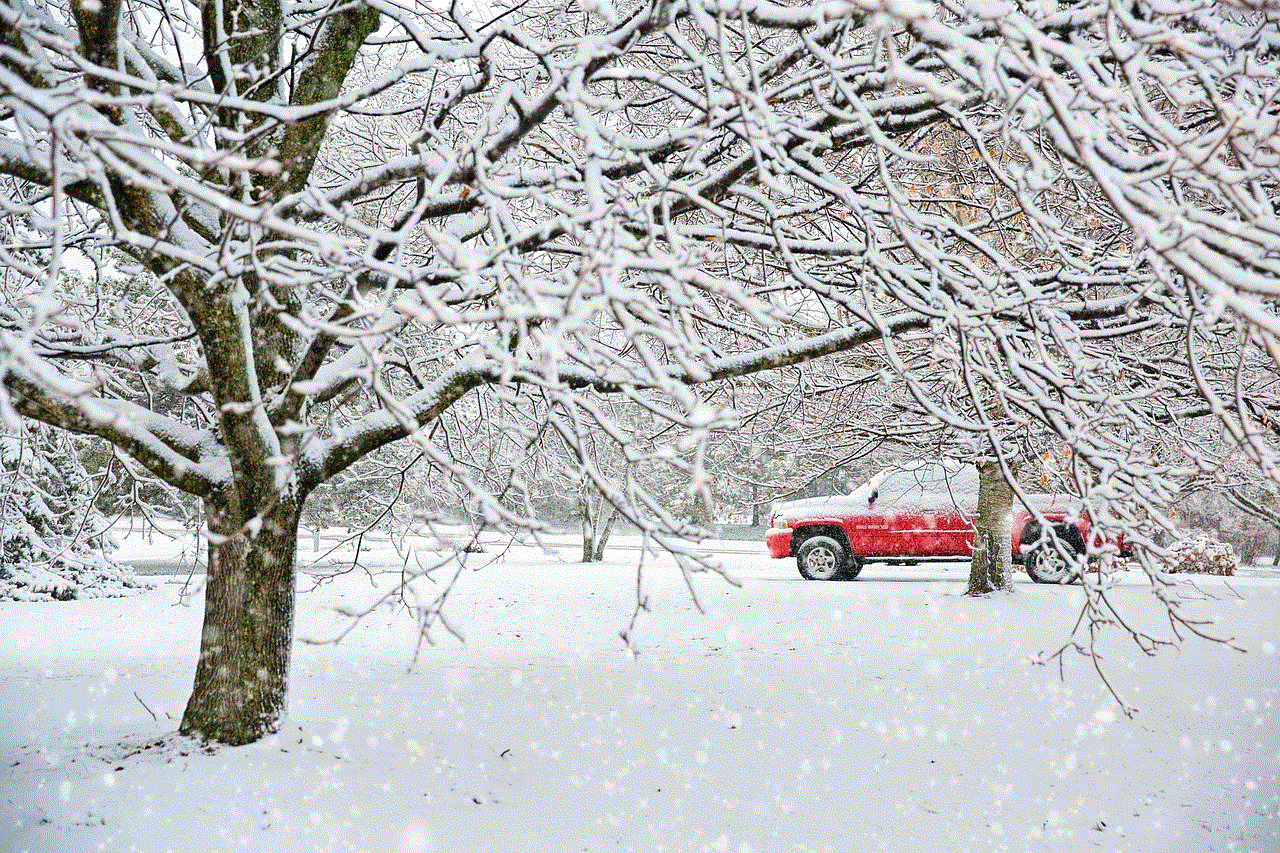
pixel 53 544
pixel 1202 555
pixel 59 580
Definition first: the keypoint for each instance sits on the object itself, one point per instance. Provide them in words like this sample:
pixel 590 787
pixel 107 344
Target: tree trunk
pixel 242 672
pixel 602 535
pixel 992 565
pixel 588 525
pixel 597 524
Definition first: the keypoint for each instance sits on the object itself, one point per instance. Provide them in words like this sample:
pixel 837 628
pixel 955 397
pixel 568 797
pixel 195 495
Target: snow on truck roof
pixel 914 479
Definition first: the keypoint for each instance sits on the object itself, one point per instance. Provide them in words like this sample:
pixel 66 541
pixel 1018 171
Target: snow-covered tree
pixel 366 222
pixel 1235 505
pixel 54 543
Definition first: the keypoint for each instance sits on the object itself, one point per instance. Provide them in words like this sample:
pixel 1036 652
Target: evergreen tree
pixel 55 542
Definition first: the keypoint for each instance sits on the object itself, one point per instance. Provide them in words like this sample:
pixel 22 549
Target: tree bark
pixel 992 565
pixel 597 524
pixel 242 672
pixel 602 536
pixel 588 525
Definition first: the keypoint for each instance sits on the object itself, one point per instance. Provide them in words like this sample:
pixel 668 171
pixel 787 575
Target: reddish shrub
pixel 1201 555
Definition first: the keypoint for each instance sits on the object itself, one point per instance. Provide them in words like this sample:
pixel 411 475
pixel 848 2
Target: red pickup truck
pixel 920 512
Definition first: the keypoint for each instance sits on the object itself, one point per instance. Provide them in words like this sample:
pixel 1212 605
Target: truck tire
pixel 821 558
pixel 1048 562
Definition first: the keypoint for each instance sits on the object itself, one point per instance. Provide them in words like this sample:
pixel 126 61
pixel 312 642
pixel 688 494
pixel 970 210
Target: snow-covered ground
pixel 891 713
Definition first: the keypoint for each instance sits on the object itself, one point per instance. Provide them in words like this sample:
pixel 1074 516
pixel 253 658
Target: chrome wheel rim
pixel 1050 566
pixel 821 563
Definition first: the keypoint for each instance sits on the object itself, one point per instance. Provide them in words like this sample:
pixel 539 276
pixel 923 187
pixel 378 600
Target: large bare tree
pixel 356 222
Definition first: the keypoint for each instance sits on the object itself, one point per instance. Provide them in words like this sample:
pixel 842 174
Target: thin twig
pixel 144 704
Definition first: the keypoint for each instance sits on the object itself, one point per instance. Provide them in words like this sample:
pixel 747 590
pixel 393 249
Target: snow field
pixel 891 713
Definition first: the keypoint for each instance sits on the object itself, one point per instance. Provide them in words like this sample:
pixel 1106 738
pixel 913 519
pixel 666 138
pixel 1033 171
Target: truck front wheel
pixel 821 558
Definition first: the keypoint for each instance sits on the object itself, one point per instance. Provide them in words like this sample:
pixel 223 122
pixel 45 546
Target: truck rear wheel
pixel 1050 563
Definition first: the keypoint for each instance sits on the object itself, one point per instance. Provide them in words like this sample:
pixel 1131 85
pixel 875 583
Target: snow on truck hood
pixel 832 506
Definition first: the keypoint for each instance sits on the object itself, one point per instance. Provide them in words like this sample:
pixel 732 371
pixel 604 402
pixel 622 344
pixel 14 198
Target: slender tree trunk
pixel 597 524
pixel 588 524
pixel 242 672
pixel 992 565
pixel 602 535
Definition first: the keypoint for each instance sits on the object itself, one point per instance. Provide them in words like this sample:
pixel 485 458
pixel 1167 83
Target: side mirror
pixel 871 501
